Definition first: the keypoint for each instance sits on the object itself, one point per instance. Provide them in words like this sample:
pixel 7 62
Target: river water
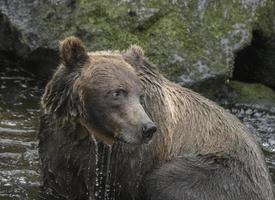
pixel 19 114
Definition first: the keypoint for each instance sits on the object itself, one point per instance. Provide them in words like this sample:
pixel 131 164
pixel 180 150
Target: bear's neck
pixel 190 124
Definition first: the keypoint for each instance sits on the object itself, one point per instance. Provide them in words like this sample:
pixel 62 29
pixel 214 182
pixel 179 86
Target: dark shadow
pixel 256 63
pixel 42 62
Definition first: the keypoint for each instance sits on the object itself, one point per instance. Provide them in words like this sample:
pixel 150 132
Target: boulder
pixel 191 41
pixel 250 93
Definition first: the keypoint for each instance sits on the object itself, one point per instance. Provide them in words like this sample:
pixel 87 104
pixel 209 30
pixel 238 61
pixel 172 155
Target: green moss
pixel 251 92
pixel 264 18
pixel 165 30
pixel 197 35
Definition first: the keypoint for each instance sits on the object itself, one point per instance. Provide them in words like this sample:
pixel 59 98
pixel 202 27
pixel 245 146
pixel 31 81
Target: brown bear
pixel 112 127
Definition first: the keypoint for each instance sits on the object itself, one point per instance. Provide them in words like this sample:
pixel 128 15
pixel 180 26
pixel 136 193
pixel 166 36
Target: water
pixel 19 163
pixel 103 173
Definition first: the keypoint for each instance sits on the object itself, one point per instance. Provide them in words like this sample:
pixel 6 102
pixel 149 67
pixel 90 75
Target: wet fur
pixel 199 152
pixel 201 177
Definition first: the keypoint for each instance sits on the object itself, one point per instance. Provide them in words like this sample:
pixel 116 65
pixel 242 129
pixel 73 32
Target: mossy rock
pixel 252 93
pixel 190 41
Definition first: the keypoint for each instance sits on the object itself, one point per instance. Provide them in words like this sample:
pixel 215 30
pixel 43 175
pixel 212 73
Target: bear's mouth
pixel 99 135
pixel 121 141
pixel 115 137
pixel 132 140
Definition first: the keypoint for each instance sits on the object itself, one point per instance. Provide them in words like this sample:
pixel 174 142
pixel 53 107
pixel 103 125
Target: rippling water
pixel 19 165
pixel 19 113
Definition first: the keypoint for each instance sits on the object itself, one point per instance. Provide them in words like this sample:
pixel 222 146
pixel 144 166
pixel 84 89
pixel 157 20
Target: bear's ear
pixel 135 52
pixel 73 52
pixel 134 55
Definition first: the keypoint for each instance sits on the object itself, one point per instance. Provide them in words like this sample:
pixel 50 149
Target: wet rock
pixel 260 120
pixel 191 41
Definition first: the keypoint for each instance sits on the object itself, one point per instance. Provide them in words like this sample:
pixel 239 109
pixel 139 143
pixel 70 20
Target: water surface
pixel 19 165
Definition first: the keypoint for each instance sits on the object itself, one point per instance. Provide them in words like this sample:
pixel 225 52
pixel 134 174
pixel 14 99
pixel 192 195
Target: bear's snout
pixel 148 130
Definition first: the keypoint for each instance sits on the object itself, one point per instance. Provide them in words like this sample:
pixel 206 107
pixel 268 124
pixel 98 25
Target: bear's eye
pixel 119 93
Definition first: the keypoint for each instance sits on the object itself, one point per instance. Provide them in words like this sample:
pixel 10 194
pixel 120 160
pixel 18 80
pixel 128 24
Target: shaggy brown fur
pixel 199 152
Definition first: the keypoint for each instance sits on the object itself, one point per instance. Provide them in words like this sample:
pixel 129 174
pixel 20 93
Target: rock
pixel 191 41
pixel 250 93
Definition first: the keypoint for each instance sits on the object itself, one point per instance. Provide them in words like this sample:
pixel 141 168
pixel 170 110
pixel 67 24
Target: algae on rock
pixel 190 41
pixel 252 93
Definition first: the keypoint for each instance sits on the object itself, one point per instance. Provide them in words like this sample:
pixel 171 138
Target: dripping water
pixel 114 162
pixel 108 172
pixel 101 155
pixel 92 195
pixel 105 158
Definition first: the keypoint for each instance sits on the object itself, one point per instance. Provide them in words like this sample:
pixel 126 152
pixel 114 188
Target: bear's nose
pixel 148 130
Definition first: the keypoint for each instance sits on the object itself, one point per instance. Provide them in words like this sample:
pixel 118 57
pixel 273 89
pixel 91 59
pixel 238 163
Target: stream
pixel 19 116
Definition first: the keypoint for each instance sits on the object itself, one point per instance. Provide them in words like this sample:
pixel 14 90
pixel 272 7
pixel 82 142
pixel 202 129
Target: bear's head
pixel 105 93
